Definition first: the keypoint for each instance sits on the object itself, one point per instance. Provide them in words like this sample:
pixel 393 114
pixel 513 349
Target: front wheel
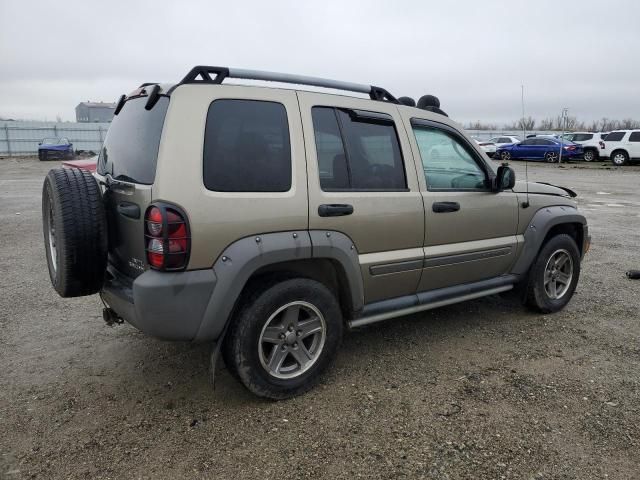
pixel 554 275
pixel 505 155
pixel 284 337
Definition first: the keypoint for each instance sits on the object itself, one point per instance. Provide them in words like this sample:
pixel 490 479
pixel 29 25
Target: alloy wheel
pixel 558 274
pixel 292 340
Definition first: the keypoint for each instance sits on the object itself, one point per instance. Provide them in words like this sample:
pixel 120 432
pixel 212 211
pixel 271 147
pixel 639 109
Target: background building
pixel 95 112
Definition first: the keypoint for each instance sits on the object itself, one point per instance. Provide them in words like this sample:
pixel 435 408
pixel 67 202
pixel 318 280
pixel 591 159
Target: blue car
pixel 546 149
pixel 55 148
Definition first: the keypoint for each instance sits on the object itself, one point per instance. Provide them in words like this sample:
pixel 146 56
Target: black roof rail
pixel 203 74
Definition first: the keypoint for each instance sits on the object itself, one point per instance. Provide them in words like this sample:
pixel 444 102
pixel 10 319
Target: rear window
pixel 615 136
pixel 247 147
pixel 634 137
pixel 581 137
pixel 130 150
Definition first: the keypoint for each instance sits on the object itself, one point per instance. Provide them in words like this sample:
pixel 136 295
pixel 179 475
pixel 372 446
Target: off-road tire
pixel 240 347
pixel 72 205
pixel 590 155
pixel 536 296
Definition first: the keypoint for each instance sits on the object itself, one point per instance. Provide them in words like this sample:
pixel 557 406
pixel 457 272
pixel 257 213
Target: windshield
pixel 50 141
pixel 130 150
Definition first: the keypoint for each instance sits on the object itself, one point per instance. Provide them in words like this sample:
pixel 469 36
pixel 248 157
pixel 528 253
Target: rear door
pixel 127 164
pixel 359 156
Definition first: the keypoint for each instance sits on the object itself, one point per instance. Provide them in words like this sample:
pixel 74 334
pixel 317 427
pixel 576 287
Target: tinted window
pixel 528 142
pixel 581 137
pixel 634 137
pixel 246 147
pixel 357 153
pixel 130 149
pixel 332 162
pixel 504 140
pixel 542 141
pixel 615 136
pixel 447 163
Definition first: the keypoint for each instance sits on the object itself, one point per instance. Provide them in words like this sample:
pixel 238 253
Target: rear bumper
pixel 166 305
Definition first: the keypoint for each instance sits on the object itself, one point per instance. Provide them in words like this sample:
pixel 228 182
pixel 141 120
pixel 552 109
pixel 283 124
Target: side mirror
pixel 505 178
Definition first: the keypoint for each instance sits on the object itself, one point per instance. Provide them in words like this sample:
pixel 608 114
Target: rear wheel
pixel 619 158
pixel 551 157
pixel 42 155
pixel 284 337
pixel 554 275
pixel 75 231
pixel 590 155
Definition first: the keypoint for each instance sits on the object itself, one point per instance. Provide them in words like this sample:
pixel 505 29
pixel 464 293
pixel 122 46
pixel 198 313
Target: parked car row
pixel 620 146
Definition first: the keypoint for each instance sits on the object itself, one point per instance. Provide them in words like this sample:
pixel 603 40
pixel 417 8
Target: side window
pixel 504 140
pixel 247 147
pixel 448 164
pixel 545 142
pixel 357 152
pixel 527 142
pixel 634 137
pixel 615 136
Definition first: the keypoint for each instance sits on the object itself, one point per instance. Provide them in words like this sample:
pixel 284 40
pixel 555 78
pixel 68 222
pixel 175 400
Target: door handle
pixel 335 210
pixel 444 207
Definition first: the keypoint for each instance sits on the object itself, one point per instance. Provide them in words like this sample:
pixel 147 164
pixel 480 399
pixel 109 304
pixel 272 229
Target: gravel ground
pixel 483 389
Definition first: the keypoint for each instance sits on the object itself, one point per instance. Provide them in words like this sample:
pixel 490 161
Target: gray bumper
pixel 165 305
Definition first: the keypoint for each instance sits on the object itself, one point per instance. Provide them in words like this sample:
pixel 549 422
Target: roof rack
pixel 203 74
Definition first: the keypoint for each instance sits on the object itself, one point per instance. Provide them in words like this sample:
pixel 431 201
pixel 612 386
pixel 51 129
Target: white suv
pixel 504 140
pixel 592 144
pixel 622 146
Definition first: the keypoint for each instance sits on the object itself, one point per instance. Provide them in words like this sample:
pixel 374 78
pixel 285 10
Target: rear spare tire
pixel 75 231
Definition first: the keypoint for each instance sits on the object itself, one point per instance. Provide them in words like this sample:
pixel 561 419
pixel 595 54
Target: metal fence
pixel 22 138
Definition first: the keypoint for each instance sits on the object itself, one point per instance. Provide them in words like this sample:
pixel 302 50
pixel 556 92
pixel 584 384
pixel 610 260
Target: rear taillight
pixel 167 240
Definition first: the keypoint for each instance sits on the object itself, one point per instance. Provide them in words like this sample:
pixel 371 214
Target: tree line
pixel 559 123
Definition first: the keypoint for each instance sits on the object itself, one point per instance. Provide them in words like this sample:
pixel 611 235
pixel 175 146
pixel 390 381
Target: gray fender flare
pixel 543 220
pixel 241 259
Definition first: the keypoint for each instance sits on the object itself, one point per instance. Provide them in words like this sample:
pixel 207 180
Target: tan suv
pixel 267 220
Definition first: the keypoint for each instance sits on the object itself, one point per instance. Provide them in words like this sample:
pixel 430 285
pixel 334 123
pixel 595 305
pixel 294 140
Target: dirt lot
pixel 477 390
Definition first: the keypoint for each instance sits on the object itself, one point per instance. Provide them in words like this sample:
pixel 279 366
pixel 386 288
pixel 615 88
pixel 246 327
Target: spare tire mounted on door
pixel 75 231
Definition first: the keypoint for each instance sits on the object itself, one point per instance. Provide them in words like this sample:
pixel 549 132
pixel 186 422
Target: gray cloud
pixel 473 55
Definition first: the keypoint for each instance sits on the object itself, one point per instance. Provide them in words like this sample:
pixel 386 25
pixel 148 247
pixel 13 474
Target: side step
pixel 397 307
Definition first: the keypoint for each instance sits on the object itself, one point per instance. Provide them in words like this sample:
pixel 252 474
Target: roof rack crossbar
pixel 375 93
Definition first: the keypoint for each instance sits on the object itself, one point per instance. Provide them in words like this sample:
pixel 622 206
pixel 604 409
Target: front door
pixel 360 159
pixel 470 231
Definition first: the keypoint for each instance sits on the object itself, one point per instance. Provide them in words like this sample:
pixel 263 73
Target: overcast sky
pixel 473 55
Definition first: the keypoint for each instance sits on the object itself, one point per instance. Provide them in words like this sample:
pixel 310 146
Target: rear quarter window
pixel 247 147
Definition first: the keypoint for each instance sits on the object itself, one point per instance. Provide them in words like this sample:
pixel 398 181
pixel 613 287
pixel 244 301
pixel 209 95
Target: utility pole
pixel 524 131
pixel 563 123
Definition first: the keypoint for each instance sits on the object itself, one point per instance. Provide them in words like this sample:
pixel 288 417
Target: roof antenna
pixel 525 204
